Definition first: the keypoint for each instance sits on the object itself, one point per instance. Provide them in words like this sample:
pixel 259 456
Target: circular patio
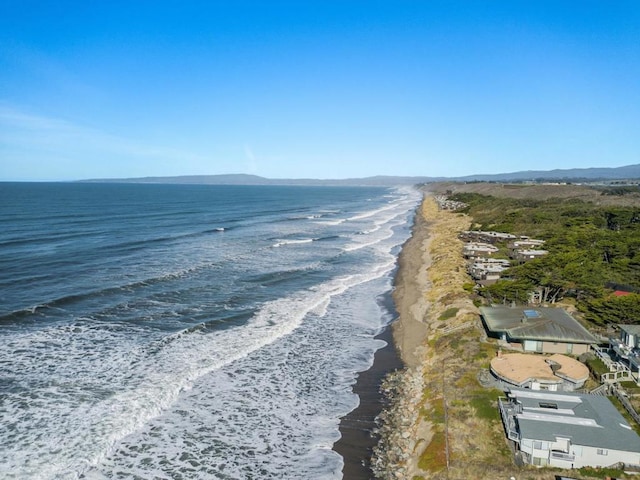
pixel 538 372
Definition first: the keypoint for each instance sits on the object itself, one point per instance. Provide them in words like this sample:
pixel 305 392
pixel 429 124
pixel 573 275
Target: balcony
pixel 565 457
pixel 508 412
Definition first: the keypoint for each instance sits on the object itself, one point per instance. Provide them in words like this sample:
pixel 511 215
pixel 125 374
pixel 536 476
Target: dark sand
pixel 357 427
pixel 403 338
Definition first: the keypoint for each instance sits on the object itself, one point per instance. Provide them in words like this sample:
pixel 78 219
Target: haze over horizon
pixel 316 89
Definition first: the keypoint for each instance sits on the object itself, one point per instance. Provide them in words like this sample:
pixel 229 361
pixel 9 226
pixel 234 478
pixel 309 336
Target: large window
pixel 602 451
pixel 540 462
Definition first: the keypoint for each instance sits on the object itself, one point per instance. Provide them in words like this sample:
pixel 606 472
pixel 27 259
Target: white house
pixel 568 430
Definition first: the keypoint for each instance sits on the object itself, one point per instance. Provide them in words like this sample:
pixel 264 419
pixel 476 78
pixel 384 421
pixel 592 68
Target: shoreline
pixel 364 443
pixel 439 422
pixel 429 281
pixel 358 428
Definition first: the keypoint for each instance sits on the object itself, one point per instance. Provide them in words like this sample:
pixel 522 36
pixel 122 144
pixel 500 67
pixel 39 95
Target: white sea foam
pixel 372 213
pixel 101 397
pixel 282 243
pixel 144 381
pixel 332 223
pixel 272 414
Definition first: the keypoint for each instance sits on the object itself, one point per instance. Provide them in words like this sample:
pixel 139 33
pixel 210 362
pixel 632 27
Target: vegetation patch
pixel 434 457
pixel 468 287
pixel 601 472
pixel 448 313
pixel 597 367
pixel 454 343
pixel 485 404
pixel 632 388
pixel 593 251
pixel 436 413
pixel 485 353
pixel 468 380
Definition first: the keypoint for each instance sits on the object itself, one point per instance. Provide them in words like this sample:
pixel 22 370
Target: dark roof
pixel 543 323
pixel 630 329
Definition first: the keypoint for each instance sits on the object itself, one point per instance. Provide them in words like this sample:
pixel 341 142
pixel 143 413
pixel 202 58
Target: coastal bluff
pixel 429 281
pixel 442 422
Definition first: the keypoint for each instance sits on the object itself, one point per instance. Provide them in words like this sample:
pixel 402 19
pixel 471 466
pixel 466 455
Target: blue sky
pixel 316 89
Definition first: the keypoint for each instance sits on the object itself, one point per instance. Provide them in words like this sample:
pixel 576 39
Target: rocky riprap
pixel 398 425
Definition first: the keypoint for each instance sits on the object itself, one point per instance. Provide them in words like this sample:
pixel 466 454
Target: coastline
pixel 428 280
pixel 361 435
pixel 440 420
pixel 358 427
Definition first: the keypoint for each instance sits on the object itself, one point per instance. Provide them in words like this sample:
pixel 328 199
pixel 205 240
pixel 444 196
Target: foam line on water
pixel 282 243
pixel 278 407
pixel 154 377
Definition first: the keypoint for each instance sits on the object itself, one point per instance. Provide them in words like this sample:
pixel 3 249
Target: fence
pixel 627 404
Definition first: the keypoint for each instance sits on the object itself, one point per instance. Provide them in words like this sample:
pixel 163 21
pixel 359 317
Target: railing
pixel 562 456
pixel 617 376
pixel 627 405
pixel 601 390
pixel 507 410
pixel 603 354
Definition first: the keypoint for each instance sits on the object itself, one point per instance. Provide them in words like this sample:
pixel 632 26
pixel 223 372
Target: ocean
pixel 188 331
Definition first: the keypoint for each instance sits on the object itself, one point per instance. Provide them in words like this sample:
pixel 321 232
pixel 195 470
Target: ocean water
pixel 188 332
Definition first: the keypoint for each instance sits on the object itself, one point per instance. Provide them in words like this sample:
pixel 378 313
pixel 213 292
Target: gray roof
pixel 630 329
pixel 588 420
pixel 543 323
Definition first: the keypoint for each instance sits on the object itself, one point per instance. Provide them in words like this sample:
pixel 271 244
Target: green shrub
pixel 468 287
pixel 448 313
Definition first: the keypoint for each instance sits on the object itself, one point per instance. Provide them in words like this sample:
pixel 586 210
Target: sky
pixel 316 89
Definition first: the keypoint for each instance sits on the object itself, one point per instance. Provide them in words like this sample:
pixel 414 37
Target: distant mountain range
pixel 628 172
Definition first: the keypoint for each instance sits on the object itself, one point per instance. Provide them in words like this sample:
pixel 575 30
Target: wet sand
pixel 404 338
pixel 357 427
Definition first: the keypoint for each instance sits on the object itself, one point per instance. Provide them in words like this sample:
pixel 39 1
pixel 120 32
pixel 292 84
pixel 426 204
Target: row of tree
pixel 590 249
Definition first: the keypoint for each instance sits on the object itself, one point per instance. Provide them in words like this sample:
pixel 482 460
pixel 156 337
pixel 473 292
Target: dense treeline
pixel 590 249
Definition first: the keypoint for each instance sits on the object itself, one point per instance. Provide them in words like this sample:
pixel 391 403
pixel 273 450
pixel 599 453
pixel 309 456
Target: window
pixel 537 445
pixel 602 451
pixel 554 406
pixel 569 347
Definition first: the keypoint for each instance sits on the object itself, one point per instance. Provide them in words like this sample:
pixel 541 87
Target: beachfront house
pixel 478 250
pixel 485 237
pixel 557 373
pixel 541 329
pixel 526 255
pixel 525 244
pixel 487 271
pixel 567 430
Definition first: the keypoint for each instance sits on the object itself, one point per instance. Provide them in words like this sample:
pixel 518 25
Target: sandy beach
pixel 429 281
pixel 360 437
pixel 358 428
pixel 386 384
pixel 436 425
pixel 436 332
